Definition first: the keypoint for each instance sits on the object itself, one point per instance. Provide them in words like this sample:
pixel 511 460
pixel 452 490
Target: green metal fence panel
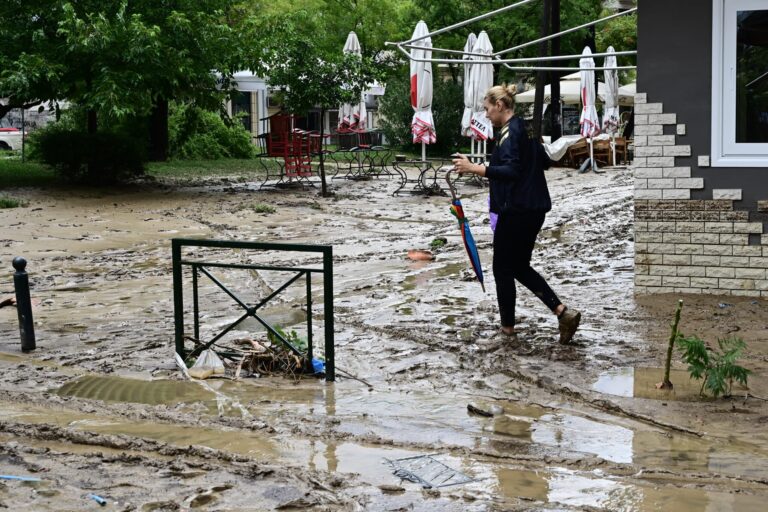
pixel 200 267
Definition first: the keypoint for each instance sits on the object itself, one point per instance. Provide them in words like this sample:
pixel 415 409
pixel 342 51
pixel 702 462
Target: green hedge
pixel 90 158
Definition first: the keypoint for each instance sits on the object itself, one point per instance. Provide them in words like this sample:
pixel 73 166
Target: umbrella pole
pixel 613 147
pixel 423 152
pixel 591 154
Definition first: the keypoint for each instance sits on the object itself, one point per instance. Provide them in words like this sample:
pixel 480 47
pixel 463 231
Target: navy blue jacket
pixel 516 173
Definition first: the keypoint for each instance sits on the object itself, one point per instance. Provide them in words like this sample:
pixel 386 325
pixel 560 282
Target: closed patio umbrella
pixel 467 116
pixel 589 122
pixel 352 116
pixel 482 80
pixel 422 125
pixel 611 106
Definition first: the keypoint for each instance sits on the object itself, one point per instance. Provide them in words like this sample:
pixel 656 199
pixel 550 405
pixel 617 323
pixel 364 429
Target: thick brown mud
pixel 100 408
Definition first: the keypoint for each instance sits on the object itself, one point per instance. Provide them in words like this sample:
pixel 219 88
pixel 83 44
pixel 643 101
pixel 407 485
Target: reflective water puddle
pixel 498 481
pixel 641 383
pixel 428 418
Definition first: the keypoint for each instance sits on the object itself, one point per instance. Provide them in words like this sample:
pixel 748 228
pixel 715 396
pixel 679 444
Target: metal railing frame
pixel 497 59
pixel 251 311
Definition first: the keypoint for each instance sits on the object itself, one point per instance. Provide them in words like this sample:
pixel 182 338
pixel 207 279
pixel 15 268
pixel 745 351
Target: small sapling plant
pixel 716 368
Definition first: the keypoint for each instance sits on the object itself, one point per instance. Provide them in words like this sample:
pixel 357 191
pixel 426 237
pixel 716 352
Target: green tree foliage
pixel 397 113
pixel 621 33
pixel 117 57
pixel 374 21
pixel 199 134
pixel 308 76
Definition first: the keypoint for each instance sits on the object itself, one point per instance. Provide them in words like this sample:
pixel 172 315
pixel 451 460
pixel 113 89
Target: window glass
pixel 241 108
pixel 752 76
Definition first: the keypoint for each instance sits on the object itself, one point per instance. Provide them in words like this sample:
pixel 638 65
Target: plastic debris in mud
pixel 98 499
pixel 428 471
pixel 208 363
pixel 21 478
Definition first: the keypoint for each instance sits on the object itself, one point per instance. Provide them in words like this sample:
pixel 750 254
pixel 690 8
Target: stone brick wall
pixel 685 245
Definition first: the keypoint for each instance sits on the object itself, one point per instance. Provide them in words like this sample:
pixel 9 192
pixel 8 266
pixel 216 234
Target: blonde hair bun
pixel 503 93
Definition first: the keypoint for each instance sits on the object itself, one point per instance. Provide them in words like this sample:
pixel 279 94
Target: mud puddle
pixel 550 485
pixel 426 419
pixel 641 383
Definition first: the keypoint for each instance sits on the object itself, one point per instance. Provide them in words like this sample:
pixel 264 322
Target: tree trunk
pixel 541 76
pixel 93 123
pixel 324 187
pixel 158 131
pixel 555 118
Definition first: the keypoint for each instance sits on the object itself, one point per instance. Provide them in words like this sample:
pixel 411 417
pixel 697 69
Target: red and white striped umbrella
pixel 422 125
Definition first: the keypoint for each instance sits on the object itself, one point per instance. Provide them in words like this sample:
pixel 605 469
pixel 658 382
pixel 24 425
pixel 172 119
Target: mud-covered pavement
pixel 99 407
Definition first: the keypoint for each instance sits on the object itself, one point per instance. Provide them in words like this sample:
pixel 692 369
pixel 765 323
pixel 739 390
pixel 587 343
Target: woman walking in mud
pixel 520 198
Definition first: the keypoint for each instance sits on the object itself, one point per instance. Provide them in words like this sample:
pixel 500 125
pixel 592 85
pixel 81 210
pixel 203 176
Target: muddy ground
pixel 100 407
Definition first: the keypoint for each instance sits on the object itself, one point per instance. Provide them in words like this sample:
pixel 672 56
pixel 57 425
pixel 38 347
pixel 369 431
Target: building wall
pixel 698 229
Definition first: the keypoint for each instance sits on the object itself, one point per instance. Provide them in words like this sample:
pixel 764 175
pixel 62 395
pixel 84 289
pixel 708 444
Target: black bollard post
pixel 24 304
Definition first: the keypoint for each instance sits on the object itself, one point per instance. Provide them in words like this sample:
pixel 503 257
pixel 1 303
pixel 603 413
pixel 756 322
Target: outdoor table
pixel 426 182
pixel 368 161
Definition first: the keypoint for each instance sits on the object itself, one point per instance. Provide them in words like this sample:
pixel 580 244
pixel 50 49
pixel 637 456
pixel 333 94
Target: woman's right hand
pixel 463 166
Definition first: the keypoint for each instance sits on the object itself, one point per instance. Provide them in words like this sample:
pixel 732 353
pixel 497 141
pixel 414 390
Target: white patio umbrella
pixel 611 106
pixel 353 116
pixel 481 80
pixel 589 122
pixel 422 125
pixel 570 92
pixel 627 94
pixel 467 116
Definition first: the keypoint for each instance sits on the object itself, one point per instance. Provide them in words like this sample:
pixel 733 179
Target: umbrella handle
pixel 450 185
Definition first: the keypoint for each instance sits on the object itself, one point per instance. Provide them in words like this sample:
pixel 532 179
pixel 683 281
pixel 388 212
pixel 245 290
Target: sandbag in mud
pixel 207 364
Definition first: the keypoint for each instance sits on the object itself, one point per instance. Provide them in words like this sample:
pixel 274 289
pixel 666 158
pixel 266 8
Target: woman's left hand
pixel 464 166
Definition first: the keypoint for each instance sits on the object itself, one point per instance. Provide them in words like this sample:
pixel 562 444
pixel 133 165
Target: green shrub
pixel 89 158
pixel 10 202
pixel 197 134
pixel 263 208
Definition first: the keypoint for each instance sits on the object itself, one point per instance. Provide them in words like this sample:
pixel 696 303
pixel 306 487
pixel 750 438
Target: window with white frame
pixel 740 83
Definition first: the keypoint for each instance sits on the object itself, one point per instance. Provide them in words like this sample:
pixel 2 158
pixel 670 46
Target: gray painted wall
pixel 674 68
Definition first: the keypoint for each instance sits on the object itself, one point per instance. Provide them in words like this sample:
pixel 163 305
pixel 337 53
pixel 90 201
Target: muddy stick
pixel 666 383
pixel 350 376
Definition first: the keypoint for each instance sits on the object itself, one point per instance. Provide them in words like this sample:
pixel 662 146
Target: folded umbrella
pixel 457 210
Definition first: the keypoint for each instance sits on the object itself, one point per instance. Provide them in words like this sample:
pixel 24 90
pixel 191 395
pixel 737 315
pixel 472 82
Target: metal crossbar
pixel 497 59
pixel 202 267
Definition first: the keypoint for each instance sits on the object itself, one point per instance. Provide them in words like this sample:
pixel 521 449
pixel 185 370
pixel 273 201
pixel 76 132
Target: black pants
pixel 513 243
